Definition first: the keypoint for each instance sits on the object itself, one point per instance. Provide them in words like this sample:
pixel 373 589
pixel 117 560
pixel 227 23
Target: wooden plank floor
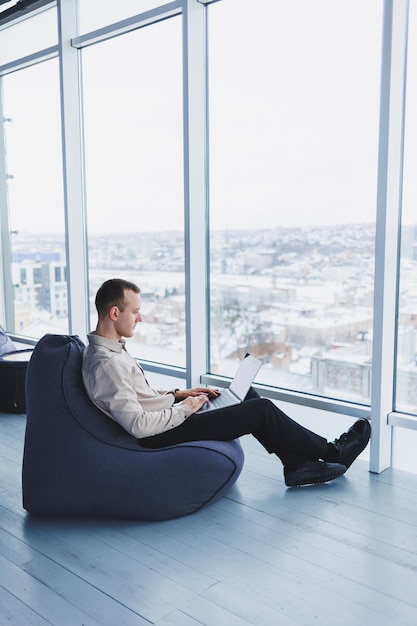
pixel 341 554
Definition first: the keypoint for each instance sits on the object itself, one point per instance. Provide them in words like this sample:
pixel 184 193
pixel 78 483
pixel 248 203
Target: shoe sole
pixel 348 462
pixel 315 479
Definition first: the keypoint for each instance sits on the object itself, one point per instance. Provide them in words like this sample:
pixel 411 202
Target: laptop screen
pixel 245 376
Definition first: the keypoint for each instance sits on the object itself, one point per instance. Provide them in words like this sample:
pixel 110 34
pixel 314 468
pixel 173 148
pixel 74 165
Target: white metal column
pixel 72 146
pixel 195 187
pixel 388 228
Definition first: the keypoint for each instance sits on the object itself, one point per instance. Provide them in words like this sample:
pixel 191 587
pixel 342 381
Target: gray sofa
pixel 79 462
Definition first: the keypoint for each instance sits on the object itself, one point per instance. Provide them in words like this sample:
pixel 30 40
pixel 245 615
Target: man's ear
pixel 114 313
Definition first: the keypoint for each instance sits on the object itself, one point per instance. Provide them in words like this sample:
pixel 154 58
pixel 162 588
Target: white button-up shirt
pixel 117 385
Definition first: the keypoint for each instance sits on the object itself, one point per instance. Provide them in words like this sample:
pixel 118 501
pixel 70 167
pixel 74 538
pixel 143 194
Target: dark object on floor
pixel 13 366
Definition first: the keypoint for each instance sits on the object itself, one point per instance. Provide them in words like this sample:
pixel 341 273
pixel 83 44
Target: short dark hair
pixel 112 293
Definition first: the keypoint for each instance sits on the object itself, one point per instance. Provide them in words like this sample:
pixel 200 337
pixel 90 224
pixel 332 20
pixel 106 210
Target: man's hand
pixel 197 391
pixel 196 402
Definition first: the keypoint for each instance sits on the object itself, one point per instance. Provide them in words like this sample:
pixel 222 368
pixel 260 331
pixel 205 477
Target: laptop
pixel 239 387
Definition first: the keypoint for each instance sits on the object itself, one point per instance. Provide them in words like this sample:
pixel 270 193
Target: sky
pixel 293 116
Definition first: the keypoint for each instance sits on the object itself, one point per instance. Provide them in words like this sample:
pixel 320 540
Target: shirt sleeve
pixel 112 389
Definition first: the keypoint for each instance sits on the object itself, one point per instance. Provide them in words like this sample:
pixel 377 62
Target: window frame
pixel 196 204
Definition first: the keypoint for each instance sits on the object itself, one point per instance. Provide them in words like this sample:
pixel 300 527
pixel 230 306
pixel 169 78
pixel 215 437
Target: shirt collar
pixel 111 344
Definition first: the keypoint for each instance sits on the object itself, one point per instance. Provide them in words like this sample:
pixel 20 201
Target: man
pixel 117 385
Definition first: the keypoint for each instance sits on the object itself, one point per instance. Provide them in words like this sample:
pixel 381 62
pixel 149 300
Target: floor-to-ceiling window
pixel 293 101
pixel 132 103
pixel 293 95
pixel 406 372
pixel 34 215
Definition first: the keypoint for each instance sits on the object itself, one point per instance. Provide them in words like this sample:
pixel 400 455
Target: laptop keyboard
pixel 225 399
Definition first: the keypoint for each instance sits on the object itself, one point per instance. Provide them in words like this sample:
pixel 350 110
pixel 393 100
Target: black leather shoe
pixel 351 444
pixel 312 472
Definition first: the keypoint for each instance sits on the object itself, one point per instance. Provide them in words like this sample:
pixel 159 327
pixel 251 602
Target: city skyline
pixel 301 298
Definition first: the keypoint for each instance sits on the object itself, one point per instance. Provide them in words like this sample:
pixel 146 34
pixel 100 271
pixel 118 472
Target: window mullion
pixel 387 231
pixel 195 186
pixel 78 301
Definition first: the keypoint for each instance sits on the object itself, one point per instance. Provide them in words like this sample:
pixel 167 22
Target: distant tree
pixel 239 328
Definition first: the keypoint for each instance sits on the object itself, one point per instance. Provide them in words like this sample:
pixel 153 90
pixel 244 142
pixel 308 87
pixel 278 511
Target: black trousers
pixel 277 433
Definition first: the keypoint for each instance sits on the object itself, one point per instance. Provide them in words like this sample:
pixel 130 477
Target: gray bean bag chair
pixel 79 462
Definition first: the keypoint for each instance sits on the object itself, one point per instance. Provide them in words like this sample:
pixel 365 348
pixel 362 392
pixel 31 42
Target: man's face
pixel 128 318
